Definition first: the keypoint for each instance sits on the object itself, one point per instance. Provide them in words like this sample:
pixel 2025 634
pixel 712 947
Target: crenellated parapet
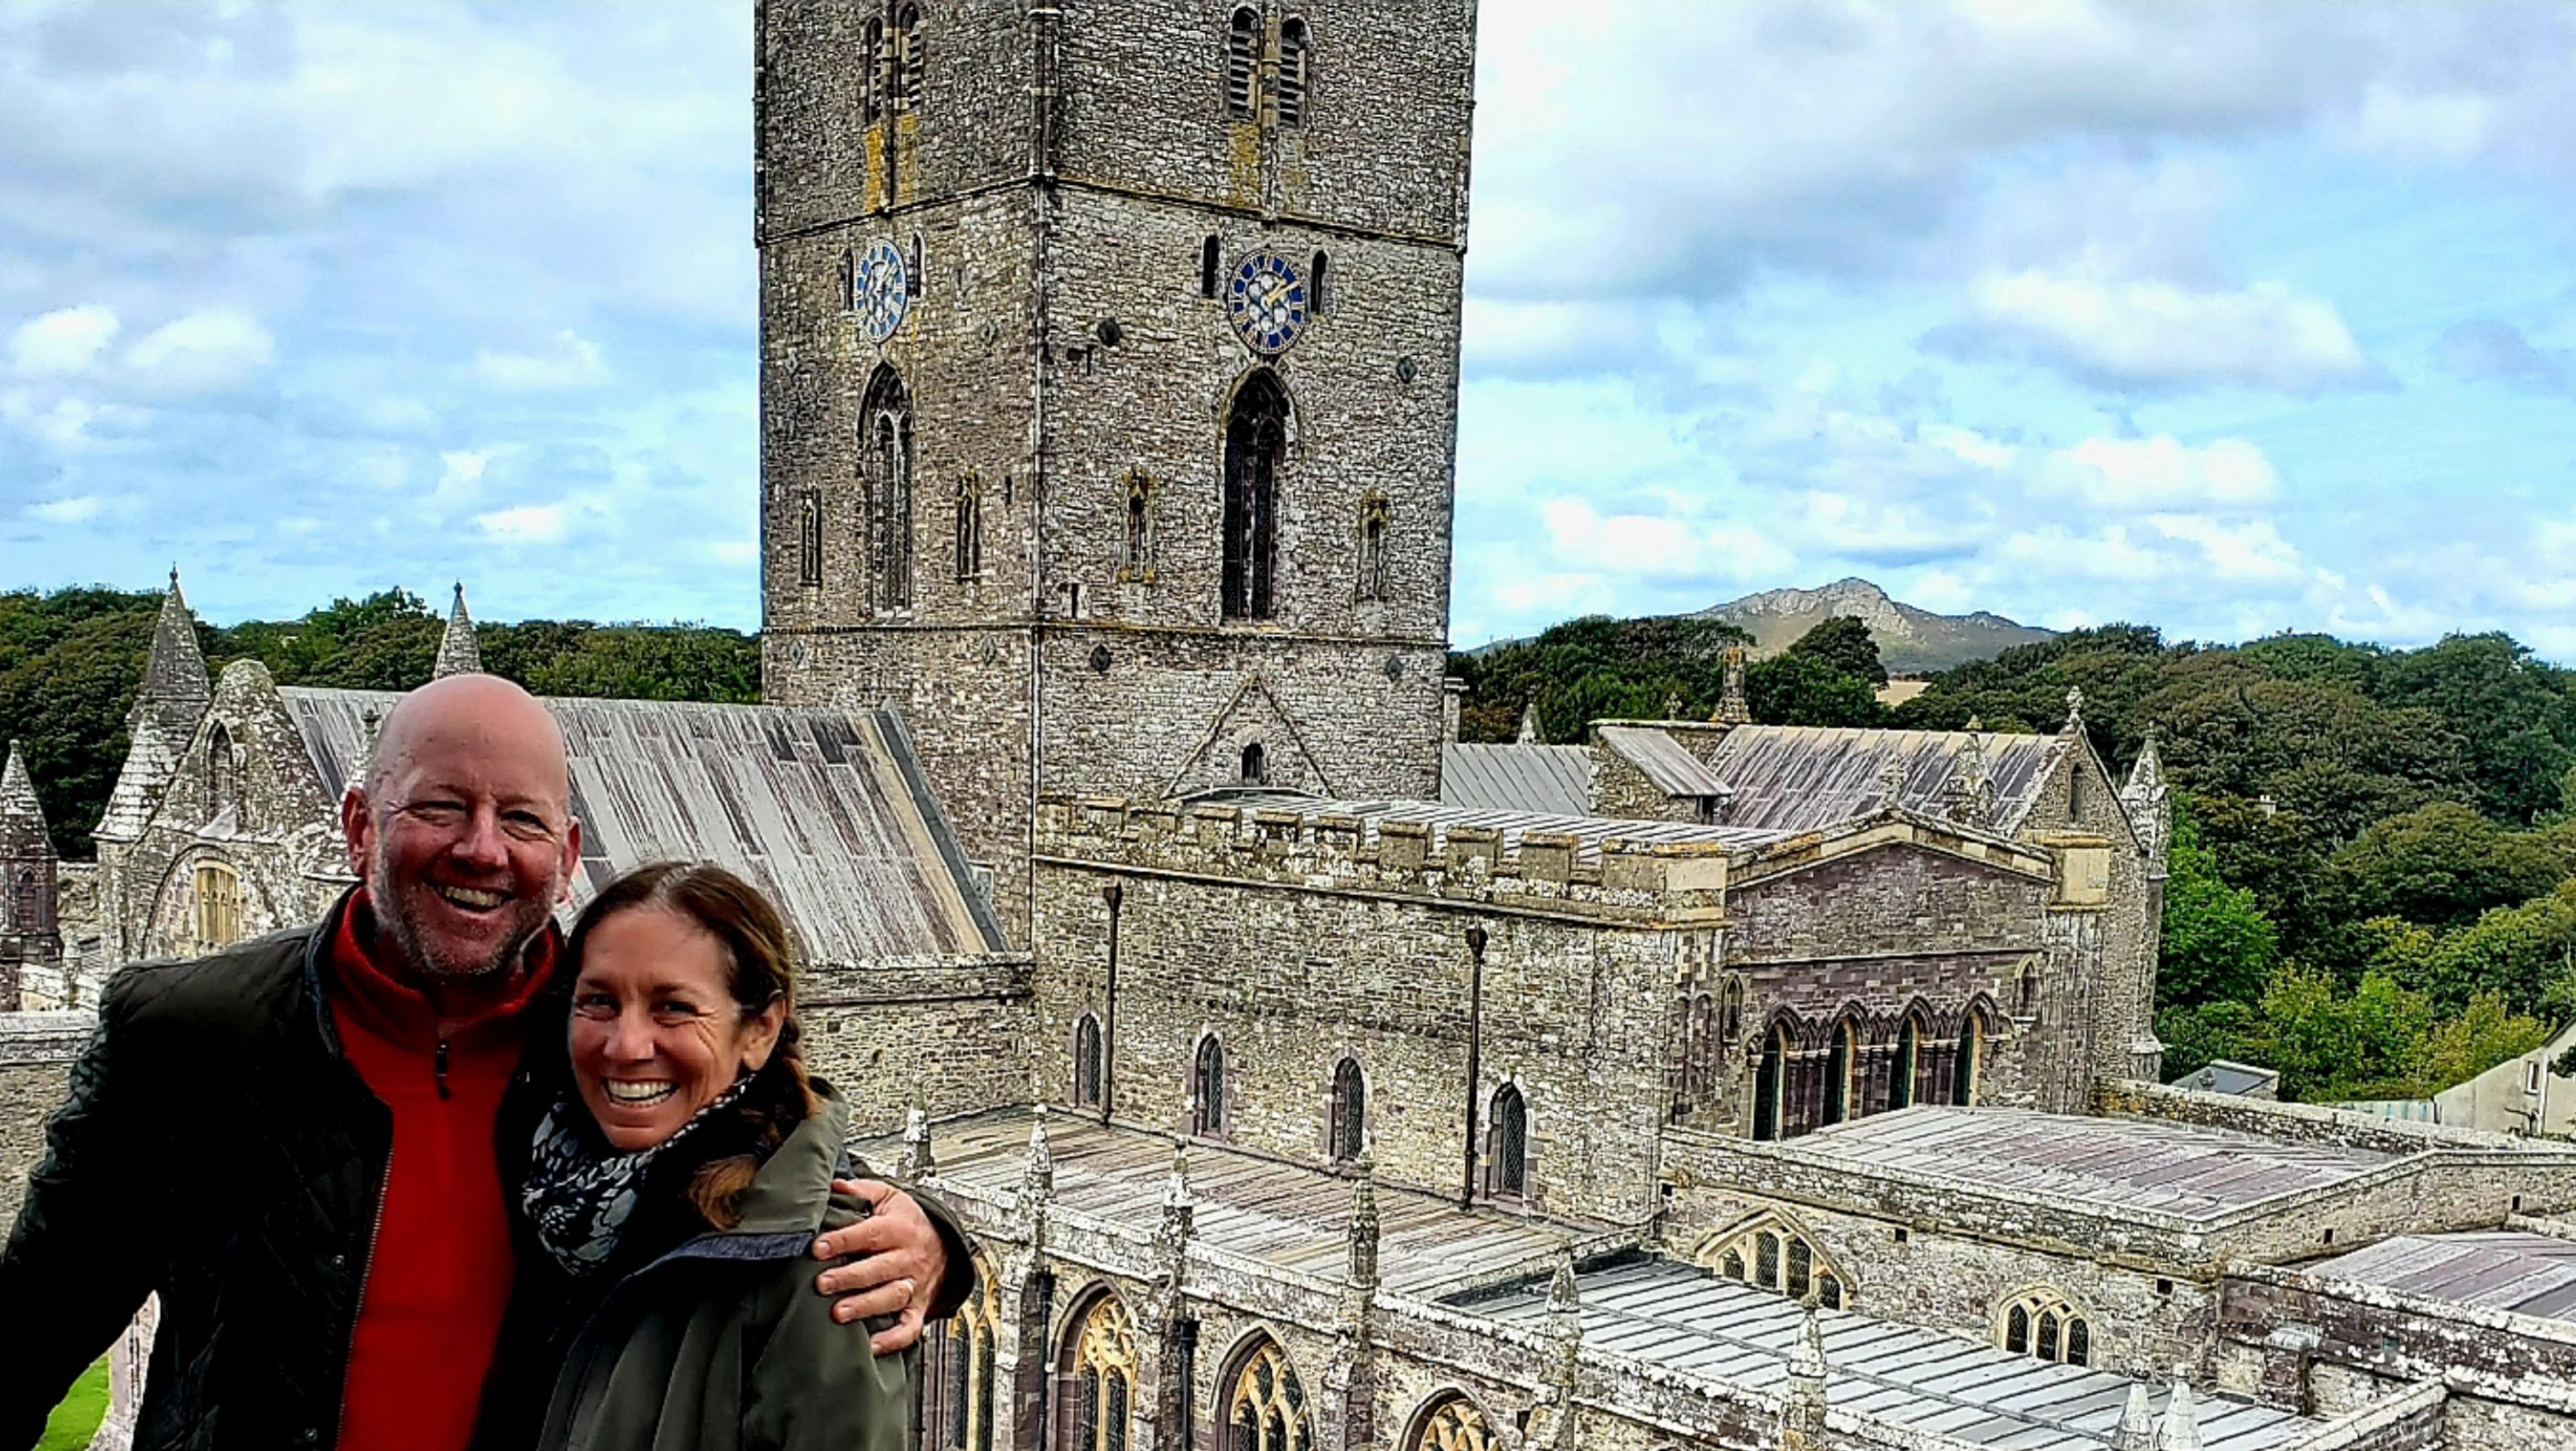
pixel 1598 876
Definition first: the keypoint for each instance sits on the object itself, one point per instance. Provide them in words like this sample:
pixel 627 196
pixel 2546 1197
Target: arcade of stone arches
pixel 1260 1400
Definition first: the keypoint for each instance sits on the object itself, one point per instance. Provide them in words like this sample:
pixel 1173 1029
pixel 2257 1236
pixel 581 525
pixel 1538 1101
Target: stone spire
pixel 27 877
pixel 1553 1422
pixel 1802 1411
pixel 18 803
pixel 917 1162
pixel 458 652
pixel 2137 1429
pixel 176 688
pixel 166 710
pixel 1037 1184
pixel 2181 1430
pixel 1734 707
pixel 1529 726
pixel 1364 1225
pixel 1180 1215
pixel 2149 804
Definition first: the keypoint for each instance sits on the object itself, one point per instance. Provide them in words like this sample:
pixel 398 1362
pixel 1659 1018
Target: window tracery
pixel 1266 1405
pixel 886 431
pixel 1207 1089
pixel 1104 1375
pixel 1455 1425
pixel 1256 442
pixel 2043 1324
pixel 1771 1254
pixel 216 893
pixel 1349 1122
pixel 1087 1062
pixel 1507 1144
pixel 963 1372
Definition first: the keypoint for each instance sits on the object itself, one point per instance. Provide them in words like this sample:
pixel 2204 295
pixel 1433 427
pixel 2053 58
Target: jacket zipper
pixel 439 1068
pixel 366 1267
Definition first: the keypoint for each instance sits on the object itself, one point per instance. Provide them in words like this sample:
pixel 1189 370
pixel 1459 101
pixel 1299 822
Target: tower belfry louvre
pixel 1109 364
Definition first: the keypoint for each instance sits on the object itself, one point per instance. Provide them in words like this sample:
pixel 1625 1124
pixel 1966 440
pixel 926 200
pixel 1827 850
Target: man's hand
pixel 896 1264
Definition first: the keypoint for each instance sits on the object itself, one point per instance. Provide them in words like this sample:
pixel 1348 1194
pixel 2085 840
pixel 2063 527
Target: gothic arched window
pixel 1208 266
pixel 1768 1075
pixel 1507 1142
pixel 1909 1058
pixel 970 528
pixel 1731 1009
pixel 1207 1089
pixel 1838 1072
pixel 1242 62
pixel 1772 1254
pixel 1266 1405
pixel 1256 765
pixel 1454 1424
pixel 809 540
pixel 1104 1378
pixel 1138 556
pixel 2043 1324
pixel 1256 441
pixel 1349 1123
pixel 885 429
pixel 959 1366
pixel 223 772
pixel 1318 290
pixel 218 905
pixel 1294 79
pixel 1087 1062
pixel 904 64
pixel 1374 573
pixel 1966 1066
pixel 872 64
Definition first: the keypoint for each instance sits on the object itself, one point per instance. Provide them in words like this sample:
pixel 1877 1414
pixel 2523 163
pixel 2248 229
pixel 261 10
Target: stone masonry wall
pixel 1293 981
pixel 958 1036
pixel 36 1053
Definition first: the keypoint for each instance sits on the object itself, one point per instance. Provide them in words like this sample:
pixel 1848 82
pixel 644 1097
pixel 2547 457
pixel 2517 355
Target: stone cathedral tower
pixel 1109 376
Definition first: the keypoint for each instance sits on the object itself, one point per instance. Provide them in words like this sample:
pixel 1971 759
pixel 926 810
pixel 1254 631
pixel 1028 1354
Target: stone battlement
pixel 1608 877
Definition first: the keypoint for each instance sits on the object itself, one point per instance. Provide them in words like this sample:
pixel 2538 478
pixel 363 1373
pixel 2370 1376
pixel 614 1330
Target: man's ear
pixel 357 828
pixel 571 856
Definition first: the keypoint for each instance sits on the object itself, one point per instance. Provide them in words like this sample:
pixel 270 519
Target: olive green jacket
pixel 723 1343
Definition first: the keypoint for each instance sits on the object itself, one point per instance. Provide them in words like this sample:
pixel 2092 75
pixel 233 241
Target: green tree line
pixel 72 659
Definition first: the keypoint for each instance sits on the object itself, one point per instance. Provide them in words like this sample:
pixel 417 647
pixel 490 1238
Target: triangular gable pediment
pixel 1251 717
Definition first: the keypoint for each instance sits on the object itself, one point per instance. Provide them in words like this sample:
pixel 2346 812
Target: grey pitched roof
pixel 824 811
pixel 2223 1076
pixel 1803 778
pixel 1589 832
pixel 2529 1274
pixel 1695 1323
pixel 1283 1214
pixel 1673 770
pixel 1553 779
pixel 2116 1165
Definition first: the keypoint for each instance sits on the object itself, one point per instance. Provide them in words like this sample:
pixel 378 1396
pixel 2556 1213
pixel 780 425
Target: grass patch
pixel 77 1418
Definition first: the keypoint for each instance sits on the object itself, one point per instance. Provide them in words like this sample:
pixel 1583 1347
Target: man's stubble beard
pixel 394 919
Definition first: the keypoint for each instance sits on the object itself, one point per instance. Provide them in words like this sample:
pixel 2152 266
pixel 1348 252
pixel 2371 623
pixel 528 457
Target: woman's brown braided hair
pixel 760 969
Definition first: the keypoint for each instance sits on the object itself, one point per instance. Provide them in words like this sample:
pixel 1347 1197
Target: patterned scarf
pixel 581 1193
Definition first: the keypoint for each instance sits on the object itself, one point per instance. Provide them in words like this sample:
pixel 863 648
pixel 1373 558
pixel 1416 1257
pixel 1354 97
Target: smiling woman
pixel 684 1169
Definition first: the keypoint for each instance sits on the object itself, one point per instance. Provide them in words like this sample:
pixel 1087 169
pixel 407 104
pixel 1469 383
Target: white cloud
pixel 78 509
pixel 2241 552
pixel 2158 334
pixel 526 524
pixel 204 351
pixel 1648 546
pixel 572 362
pixel 2163 472
pixel 63 422
pixel 66 340
pixel 736 552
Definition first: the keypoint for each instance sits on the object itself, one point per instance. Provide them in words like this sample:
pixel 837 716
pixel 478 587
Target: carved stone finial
pixel 1734 707
pixel 1037 1180
pixel 1365 1227
pixel 2074 709
pixel 1672 707
pixel 2181 1430
pixel 2137 1428
pixel 1891 782
pixel 1529 726
pixel 917 1161
pixel 1564 1295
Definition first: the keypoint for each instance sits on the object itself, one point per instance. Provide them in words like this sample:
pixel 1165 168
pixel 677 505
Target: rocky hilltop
pixel 1911 641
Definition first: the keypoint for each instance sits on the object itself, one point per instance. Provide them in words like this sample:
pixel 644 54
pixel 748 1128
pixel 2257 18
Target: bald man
pixel 306 1144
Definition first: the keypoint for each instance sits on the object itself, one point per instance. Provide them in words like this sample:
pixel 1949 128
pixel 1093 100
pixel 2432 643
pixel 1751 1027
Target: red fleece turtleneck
pixel 438 1279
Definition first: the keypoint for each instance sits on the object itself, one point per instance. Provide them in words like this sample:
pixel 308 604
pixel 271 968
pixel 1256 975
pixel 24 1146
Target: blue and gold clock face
pixel 1266 302
pixel 879 293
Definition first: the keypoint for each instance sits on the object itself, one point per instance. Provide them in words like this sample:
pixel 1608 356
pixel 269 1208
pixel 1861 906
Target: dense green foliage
pixel 1668 667
pixel 2370 883
pixel 70 663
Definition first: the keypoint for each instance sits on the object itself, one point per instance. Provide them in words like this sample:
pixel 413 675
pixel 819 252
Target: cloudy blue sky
pixel 2231 317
